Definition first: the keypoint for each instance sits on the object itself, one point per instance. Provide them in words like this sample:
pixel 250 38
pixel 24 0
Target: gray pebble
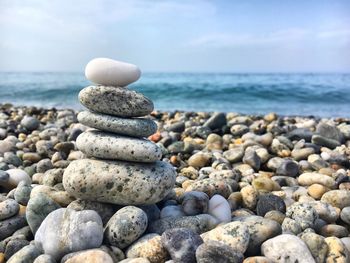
pixel 125 226
pixel 181 244
pixel 137 127
pixel 8 208
pixel 211 251
pixel 115 101
pixel 116 147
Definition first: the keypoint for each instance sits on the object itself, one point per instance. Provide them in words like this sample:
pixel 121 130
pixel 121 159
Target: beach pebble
pixel 172 210
pixel 115 147
pixel 4 177
pixel 211 251
pixel 344 215
pixel 288 168
pixel 115 101
pixel 265 184
pixel 137 127
pixel 287 248
pixel 251 158
pixel 211 187
pixel 109 72
pixel 43 165
pixel 13 246
pixel 290 226
pixel 260 229
pixel 234 155
pixel 334 230
pixel 125 226
pixel 30 123
pixel 16 176
pixel 60 197
pixel 308 179
pixel 337 251
pixel 44 259
pixel 217 120
pixel 316 245
pixel 199 223
pixel 194 203
pixel 38 208
pixel 88 256
pixel 149 246
pixel 337 198
pixel 233 234
pixel 270 202
pixel 64 231
pixel 257 259
pixel 8 208
pixel 249 197
pixel 181 243
pixel 104 210
pixel 220 208
pixel 135 260
pixel 303 213
pixel 198 160
pixel 152 211
pixel 26 254
pixel 22 193
pixel 10 225
pixel 316 191
pixel 325 211
pixel 119 182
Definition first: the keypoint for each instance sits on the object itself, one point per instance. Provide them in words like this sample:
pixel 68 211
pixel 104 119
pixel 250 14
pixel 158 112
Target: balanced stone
pixel 107 71
pixel 115 147
pixel 137 127
pixel 119 182
pixel 115 101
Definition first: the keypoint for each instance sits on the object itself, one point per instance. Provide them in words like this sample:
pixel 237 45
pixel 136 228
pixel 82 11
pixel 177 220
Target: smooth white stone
pixel 220 208
pixel 16 176
pixel 109 72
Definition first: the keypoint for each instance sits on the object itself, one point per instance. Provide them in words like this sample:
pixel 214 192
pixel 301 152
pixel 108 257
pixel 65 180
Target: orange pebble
pixel 155 137
pixel 22 210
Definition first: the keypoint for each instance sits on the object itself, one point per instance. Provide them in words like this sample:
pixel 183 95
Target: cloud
pixel 225 40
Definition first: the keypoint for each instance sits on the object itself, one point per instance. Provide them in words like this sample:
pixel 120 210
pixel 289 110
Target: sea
pixel 311 94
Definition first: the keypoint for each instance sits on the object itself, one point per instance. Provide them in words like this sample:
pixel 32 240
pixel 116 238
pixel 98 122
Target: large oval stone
pixel 106 71
pixel 136 127
pixel 115 101
pixel 115 147
pixel 66 230
pixel 119 182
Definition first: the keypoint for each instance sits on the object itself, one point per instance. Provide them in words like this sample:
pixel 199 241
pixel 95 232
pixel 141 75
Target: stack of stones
pixel 122 167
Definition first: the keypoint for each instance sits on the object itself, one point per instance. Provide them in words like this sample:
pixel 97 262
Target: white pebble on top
pixel 220 208
pixel 109 72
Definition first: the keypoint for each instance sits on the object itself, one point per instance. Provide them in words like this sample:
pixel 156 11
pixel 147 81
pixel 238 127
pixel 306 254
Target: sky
pixel 174 35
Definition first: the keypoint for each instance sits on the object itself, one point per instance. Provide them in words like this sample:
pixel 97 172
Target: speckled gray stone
pixel 119 182
pixel 116 147
pixel 10 225
pixel 260 229
pixel 125 226
pixel 136 127
pixel 304 214
pixel 8 208
pixel 25 254
pixel 181 244
pixel 199 223
pixel 115 101
pixel 215 251
pixel 66 230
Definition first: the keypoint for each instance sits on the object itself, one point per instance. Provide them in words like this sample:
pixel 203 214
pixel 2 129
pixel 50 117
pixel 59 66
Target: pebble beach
pixel 123 182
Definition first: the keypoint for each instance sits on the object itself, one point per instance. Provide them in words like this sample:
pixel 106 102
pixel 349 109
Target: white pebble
pixel 109 72
pixel 220 208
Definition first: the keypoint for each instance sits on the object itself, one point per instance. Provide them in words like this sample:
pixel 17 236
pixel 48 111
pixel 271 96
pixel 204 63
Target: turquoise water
pixel 325 95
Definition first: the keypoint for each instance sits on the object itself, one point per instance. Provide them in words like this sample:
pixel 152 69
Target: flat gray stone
pixel 119 182
pixel 65 230
pixel 136 127
pixel 115 101
pixel 116 147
